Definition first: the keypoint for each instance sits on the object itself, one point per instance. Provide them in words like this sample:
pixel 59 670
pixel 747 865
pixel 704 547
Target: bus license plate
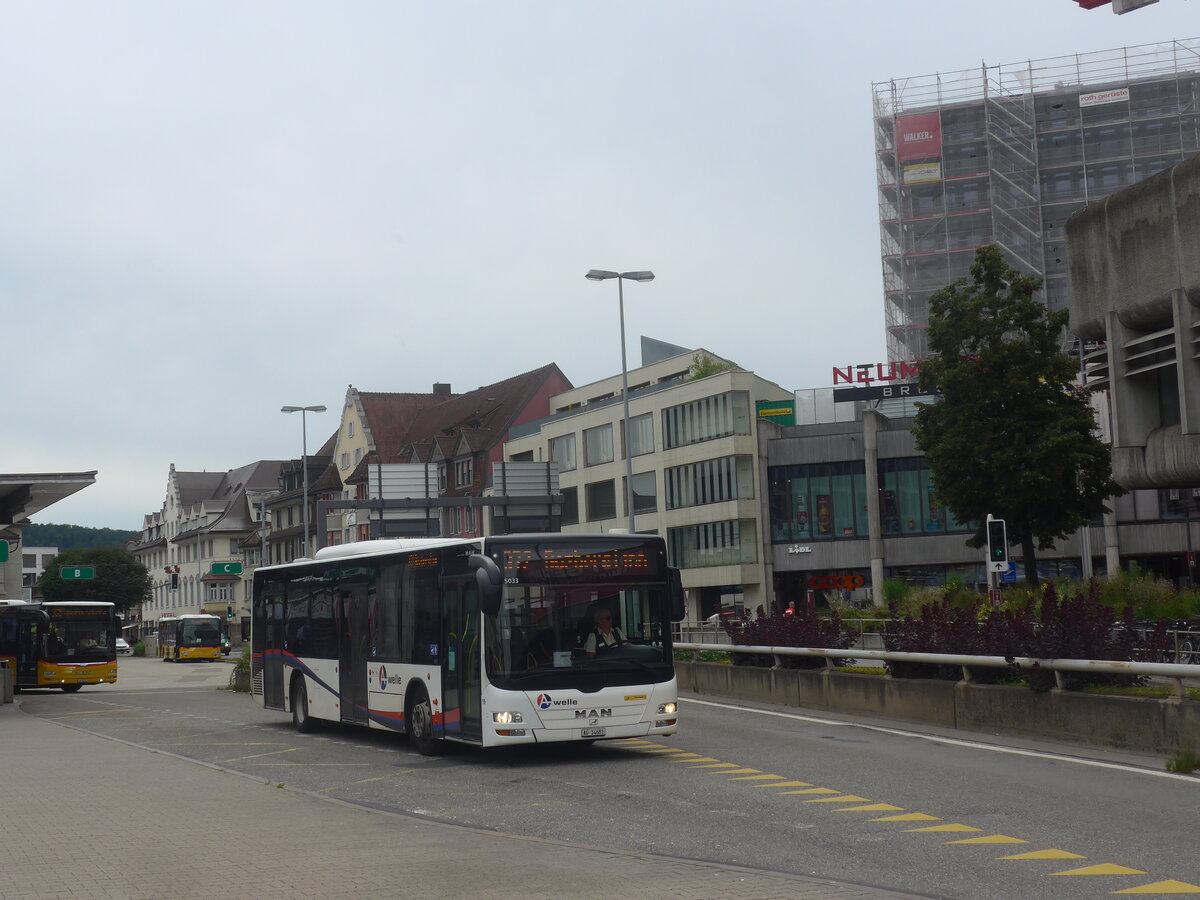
pixel 592 732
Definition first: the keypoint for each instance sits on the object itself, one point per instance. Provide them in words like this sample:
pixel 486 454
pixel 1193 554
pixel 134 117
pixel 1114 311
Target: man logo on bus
pixel 382 678
pixel 544 701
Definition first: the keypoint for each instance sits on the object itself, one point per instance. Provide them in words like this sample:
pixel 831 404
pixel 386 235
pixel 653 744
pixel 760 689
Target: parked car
pixel 123 646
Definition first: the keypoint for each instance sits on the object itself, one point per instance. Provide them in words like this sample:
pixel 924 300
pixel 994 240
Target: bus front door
pixel 461 687
pixel 271 650
pixel 351 612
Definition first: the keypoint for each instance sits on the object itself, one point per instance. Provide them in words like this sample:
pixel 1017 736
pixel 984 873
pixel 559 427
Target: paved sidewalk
pixel 89 817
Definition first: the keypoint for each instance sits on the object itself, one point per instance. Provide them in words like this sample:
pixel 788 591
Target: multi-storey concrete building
pixel 1006 153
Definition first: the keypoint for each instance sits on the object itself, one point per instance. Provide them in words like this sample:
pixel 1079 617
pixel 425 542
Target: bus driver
pixel 603 636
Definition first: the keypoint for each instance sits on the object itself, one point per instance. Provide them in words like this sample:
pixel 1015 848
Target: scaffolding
pixel 1005 154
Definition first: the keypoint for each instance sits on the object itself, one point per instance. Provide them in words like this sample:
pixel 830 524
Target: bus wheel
pixel 418 720
pixel 304 723
pixel 71 688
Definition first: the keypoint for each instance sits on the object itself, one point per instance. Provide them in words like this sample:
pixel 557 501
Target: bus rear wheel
pixel 418 719
pixel 304 723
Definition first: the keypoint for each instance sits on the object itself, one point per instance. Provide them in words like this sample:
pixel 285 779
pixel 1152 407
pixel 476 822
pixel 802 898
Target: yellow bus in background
pixel 64 644
pixel 189 637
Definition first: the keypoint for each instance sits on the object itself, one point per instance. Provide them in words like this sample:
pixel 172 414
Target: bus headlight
pixel 667 709
pixel 506 717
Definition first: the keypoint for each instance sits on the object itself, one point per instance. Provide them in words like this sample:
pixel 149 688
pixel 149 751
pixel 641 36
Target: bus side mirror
pixel 487 578
pixel 675 595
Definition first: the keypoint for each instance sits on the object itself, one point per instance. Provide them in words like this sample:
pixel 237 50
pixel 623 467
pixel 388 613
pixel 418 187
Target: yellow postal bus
pixel 189 637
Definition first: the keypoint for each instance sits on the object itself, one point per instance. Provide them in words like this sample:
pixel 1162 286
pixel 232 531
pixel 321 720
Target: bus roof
pixel 77 603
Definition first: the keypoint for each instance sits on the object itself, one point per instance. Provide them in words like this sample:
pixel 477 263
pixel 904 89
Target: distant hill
pixel 64 537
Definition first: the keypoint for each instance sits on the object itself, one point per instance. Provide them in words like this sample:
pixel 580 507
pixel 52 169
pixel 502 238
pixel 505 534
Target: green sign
pixel 229 568
pixel 781 412
pixel 3 551
pixel 72 573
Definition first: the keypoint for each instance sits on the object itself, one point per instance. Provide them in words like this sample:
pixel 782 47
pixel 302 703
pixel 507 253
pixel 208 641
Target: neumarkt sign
pixel 229 568
pixel 73 573
pixel 781 412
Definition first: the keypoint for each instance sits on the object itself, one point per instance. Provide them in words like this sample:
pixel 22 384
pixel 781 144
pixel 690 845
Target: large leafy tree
pixel 120 578
pixel 1012 435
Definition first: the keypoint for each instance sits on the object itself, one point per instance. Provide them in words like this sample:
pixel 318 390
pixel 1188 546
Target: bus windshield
pixel 547 637
pixel 199 633
pixel 80 635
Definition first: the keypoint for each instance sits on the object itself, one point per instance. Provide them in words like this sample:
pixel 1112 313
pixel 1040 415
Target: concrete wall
pixel 1129 723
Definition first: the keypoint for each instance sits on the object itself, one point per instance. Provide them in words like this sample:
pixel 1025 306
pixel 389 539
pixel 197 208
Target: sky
pixel 209 210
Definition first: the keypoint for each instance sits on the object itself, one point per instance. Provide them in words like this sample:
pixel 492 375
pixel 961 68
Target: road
pixel 776 789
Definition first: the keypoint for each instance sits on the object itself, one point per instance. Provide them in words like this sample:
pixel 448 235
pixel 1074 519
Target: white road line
pixel 954 742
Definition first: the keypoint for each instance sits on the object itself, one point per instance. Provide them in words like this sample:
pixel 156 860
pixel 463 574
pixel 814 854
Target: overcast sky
pixel 212 209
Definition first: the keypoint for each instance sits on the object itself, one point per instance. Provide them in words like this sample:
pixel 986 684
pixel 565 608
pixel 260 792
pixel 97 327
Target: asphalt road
pixel 777 789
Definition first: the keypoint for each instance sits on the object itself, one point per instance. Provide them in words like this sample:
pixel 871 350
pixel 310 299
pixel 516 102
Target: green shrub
pixel 804 629
pixel 139 649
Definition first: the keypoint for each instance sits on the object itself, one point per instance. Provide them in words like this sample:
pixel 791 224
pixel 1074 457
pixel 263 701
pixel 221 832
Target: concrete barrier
pixel 1140 724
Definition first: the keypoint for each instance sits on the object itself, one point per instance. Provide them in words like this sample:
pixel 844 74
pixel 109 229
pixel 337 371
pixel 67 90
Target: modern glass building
pixel 1005 154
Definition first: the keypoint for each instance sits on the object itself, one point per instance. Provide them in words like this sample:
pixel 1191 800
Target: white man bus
pixel 480 641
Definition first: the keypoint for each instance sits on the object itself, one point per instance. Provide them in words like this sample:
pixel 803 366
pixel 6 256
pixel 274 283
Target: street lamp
pixel 304 411
pixel 602 275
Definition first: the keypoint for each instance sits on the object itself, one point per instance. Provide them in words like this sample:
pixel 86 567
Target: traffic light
pixel 229 612
pixel 174 581
pixel 997 537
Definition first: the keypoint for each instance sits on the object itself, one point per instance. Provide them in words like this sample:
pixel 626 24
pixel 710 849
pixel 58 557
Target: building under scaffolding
pixel 1005 154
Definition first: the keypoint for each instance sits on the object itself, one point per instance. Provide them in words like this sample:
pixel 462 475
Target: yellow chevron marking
pixel 907 817
pixel 684 754
pixel 1045 854
pixel 758 778
pixel 785 784
pixel 739 772
pixel 841 798
pixel 1102 869
pixel 990 839
pixel 1169 886
pixel 954 827
pixel 872 807
pixel 810 791
pixel 664 751
pixel 697 759
pixel 719 765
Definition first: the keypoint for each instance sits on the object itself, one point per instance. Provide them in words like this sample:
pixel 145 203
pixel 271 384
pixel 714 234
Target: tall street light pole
pixel 604 275
pixel 304 411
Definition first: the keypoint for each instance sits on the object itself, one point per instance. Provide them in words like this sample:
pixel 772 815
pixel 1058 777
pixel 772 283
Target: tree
pixel 704 365
pixel 1012 435
pixel 120 578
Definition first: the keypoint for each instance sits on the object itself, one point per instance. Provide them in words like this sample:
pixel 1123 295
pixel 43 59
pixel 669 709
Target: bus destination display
pixel 570 563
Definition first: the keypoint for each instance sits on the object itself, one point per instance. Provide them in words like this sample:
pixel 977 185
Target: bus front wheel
pixel 71 688
pixel 304 723
pixel 418 720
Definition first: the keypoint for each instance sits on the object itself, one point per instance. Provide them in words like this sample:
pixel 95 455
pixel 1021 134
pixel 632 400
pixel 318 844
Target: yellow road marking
pixel 384 777
pixel 718 766
pixel 1045 854
pixel 810 791
pixel 697 759
pixel 665 751
pixel 954 827
pixel 1169 886
pixel 1102 869
pixel 908 817
pixel 257 755
pixel 990 839
pixel 739 772
pixel 785 784
pixel 870 807
pixel 841 798
pixel 758 778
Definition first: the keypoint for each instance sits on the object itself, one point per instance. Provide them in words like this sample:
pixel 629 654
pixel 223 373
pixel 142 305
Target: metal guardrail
pixel 1176 672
